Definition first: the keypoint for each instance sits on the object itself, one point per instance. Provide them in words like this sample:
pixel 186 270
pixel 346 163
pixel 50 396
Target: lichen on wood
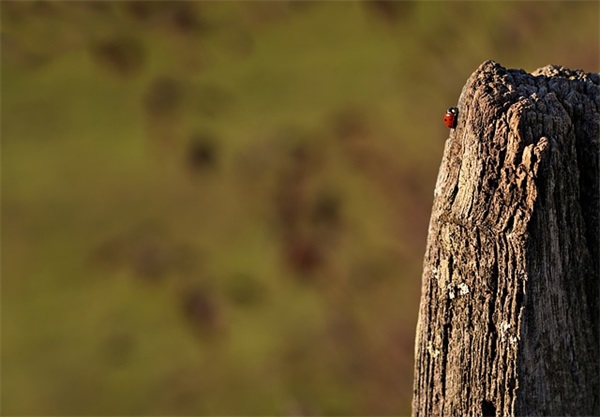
pixel 508 323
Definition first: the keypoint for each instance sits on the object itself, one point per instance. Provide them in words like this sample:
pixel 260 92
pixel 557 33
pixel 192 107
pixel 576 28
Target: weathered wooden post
pixel 509 316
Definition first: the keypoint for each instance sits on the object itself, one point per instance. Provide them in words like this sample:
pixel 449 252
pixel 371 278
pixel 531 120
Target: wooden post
pixel 509 316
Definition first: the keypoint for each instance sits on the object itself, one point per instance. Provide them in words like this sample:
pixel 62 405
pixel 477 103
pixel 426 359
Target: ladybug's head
pixel 453 110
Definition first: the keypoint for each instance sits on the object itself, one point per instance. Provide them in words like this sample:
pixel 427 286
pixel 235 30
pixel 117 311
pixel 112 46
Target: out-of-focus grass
pixel 217 208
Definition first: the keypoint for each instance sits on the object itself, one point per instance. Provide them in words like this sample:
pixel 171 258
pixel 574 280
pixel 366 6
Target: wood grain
pixel 508 323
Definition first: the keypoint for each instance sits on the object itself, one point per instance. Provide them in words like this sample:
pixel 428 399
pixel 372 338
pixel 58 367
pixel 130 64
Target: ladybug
pixel 450 117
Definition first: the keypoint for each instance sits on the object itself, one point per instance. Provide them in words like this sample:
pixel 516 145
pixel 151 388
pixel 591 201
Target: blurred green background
pixel 221 208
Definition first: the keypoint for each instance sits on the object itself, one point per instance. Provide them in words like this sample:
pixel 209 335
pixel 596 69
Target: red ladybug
pixel 450 117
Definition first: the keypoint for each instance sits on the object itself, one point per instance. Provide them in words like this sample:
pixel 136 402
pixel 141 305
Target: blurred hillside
pixel 220 208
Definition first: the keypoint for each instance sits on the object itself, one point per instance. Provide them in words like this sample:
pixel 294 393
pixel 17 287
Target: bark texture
pixel 509 316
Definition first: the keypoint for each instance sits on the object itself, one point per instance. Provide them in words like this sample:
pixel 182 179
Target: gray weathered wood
pixel 509 315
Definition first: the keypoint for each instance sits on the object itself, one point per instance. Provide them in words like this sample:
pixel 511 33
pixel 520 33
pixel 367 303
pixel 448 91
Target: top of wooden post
pixel 509 313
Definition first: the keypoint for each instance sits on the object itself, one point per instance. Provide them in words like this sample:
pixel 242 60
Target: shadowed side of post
pixel 508 323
